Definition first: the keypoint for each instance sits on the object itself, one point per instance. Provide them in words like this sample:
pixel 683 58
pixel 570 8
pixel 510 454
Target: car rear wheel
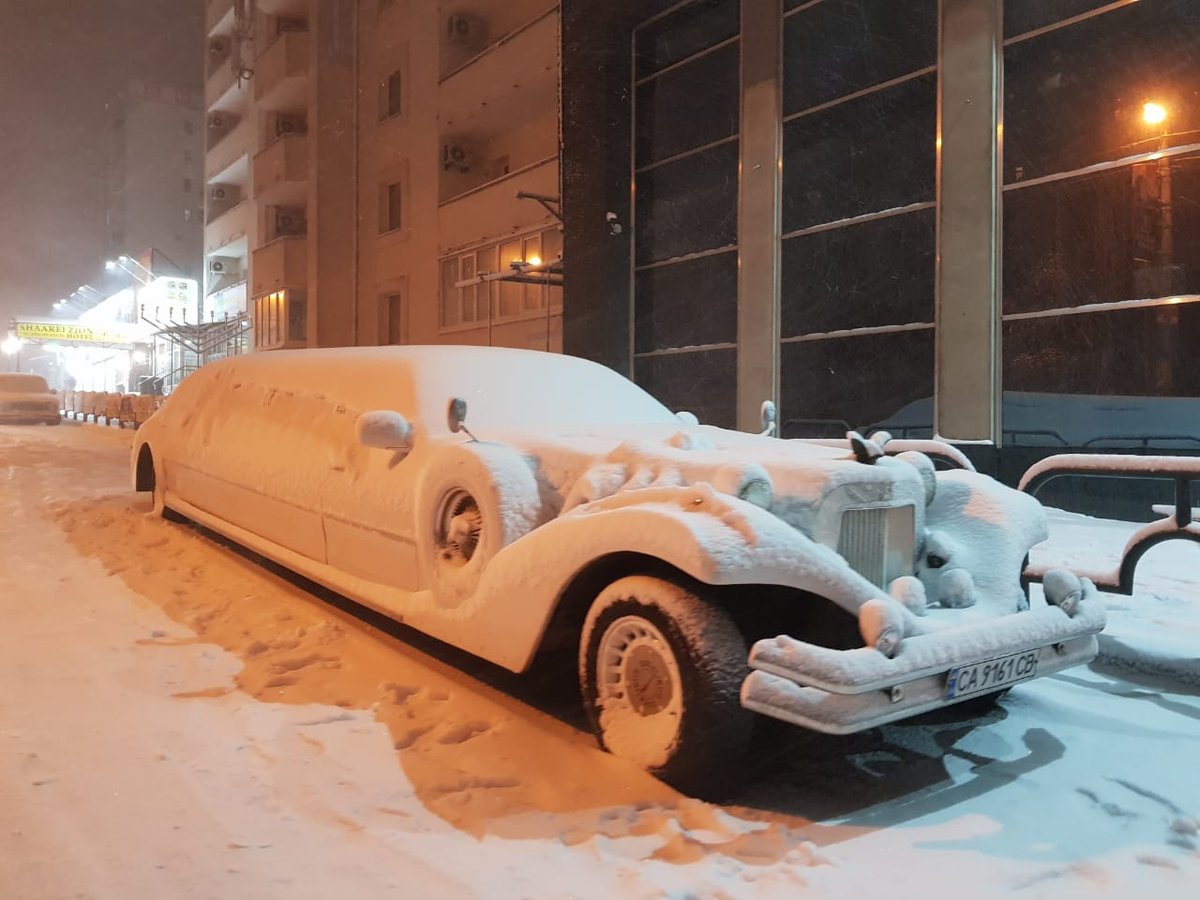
pixel 661 669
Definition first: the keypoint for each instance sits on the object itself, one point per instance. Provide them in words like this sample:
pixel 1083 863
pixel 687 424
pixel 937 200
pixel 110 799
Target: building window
pixel 280 317
pixel 391 98
pixel 469 304
pixel 391 319
pixel 391 207
pixel 297 316
pixel 188 126
pixel 187 185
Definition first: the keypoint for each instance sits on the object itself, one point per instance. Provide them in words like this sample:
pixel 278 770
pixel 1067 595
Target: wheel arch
pixel 576 596
pixel 143 469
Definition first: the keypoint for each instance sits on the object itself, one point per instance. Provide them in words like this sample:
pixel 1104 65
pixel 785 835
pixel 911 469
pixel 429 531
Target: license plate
pixel 990 675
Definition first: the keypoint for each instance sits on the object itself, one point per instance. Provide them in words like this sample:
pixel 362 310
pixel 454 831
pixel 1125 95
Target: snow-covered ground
pixel 178 719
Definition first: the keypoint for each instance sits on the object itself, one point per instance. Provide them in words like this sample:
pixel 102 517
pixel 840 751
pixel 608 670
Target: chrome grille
pixel 878 542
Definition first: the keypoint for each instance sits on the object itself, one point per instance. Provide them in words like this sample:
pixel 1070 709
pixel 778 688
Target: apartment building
pixel 152 195
pixel 369 170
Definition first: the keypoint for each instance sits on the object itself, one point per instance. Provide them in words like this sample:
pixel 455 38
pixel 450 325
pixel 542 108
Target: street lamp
pixel 122 262
pixel 11 346
pixel 1154 113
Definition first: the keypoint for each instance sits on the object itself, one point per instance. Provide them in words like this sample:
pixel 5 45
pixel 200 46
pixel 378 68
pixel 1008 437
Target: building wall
pixel 154 197
pixel 479 76
pixel 1095 293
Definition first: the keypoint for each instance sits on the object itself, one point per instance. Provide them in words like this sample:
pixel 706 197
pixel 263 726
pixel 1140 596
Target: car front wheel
pixel 661 669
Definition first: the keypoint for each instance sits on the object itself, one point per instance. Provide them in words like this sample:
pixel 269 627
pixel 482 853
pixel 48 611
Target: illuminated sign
pixel 73 331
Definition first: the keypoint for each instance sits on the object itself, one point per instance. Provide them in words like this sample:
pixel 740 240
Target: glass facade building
pixel 983 216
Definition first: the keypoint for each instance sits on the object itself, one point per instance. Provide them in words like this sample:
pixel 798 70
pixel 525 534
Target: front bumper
pixel 844 691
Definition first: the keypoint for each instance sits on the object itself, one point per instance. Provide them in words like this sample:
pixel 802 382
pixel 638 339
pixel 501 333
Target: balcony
pixel 224 152
pixel 472 31
pixel 228 233
pixel 281 73
pixel 487 211
pixel 513 76
pixel 215 14
pixel 281 170
pixel 282 263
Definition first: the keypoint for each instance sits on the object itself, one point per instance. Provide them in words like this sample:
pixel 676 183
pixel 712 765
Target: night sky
pixel 60 62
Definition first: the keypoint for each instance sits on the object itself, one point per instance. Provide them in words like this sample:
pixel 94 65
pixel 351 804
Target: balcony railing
pixel 476 215
pixel 232 225
pixel 280 72
pixel 214 12
pixel 282 263
pixel 280 171
pixel 229 148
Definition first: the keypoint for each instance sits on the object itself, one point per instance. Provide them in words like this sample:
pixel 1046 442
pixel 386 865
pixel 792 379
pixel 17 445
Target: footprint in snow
pixel 460 734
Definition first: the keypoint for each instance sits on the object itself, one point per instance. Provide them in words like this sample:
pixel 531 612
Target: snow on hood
pixel 585 464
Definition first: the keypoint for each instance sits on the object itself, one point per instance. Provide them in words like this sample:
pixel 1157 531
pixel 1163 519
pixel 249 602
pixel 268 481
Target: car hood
pixel 585 465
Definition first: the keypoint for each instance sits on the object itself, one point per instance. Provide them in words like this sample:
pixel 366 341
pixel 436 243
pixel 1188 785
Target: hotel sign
pixel 73 331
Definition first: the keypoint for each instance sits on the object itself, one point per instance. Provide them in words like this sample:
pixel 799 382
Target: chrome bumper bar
pixel 844 691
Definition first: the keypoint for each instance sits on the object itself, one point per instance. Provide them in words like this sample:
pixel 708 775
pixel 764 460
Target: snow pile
pixel 183 722
pixel 1157 630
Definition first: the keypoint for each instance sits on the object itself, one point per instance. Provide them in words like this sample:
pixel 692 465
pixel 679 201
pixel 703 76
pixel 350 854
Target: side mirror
pixel 456 414
pixel 687 418
pixel 384 430
pixel 769 417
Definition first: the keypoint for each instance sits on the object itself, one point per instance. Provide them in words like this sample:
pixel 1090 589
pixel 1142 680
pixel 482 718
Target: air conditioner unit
pixel 283 26
pixel 218 47
pixel 290 125
pixel 468 32
pixel 216 193
pixel 457 156
pixel 216 267
pixel 216 122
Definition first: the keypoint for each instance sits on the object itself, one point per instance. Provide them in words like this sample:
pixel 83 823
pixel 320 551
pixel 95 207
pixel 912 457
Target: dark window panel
pixel 690 29
pixel 688 205
pixel 1100 239
pixel 1021 16
pixel 688 107
pixel 702 382
pixel 686 303
pixel 1074 97
pixel 875 273
pixel 838 47
pixel 866 155
pixel 857 381
pixel 1146 352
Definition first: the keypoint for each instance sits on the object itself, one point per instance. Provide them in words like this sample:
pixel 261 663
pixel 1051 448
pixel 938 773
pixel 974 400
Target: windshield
pixel 13 383
pixel 531 390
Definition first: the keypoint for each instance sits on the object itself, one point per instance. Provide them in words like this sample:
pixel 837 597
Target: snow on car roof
pixel 503 387
pixel 23 383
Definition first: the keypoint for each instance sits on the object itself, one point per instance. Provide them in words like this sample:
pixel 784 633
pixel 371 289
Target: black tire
pixel 693 727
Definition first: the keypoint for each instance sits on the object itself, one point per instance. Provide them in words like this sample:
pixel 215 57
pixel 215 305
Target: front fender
pixel 712 537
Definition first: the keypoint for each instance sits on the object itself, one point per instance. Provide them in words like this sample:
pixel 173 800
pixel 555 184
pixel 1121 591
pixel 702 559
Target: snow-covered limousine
pixel 510 502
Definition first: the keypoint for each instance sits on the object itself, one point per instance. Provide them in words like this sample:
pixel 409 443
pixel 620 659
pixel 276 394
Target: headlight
pixel 757 491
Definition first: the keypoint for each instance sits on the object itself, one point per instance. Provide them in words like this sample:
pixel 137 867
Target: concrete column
pixel 759 209
pixel 332 175
pixel 967 391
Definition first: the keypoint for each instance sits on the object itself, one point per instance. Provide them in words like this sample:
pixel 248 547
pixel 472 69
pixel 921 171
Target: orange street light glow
pixel 1154 113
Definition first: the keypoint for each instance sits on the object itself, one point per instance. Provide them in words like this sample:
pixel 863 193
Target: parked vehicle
pixel 26 399
pixel 508 501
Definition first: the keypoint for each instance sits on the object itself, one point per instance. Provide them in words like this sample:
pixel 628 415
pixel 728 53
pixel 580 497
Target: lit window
pixel 466 304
